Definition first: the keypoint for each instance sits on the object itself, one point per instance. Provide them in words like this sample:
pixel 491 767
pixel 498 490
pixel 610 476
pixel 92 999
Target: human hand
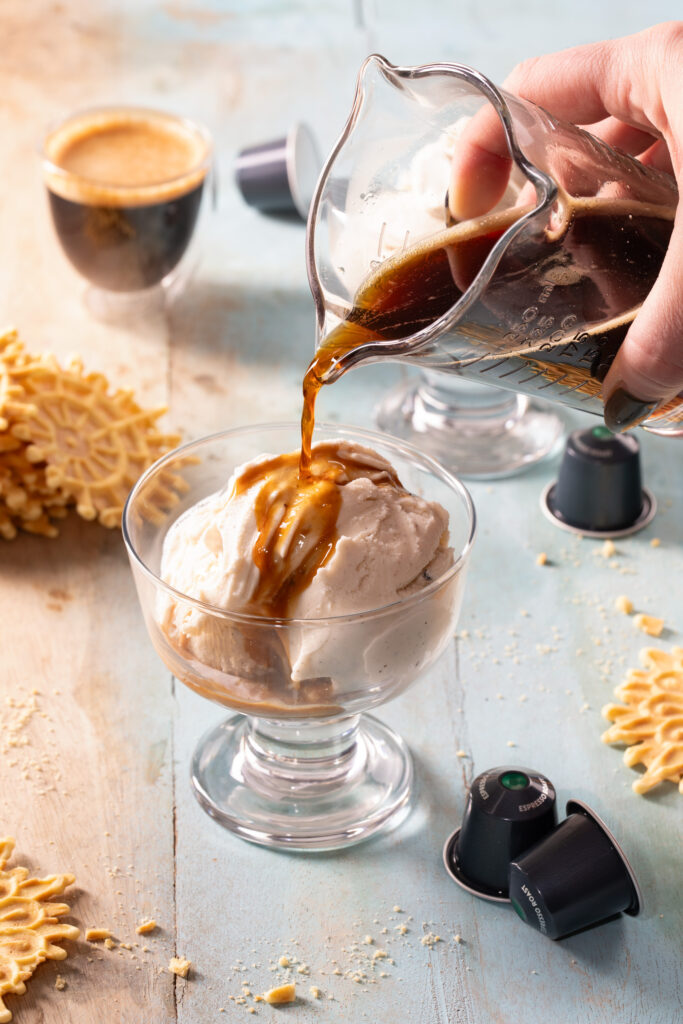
pixel 628 92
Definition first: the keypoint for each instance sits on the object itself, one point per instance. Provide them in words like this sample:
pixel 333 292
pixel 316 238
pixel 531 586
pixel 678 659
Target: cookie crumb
pixel 624 604
pixel 179 966
pixel 655 542
pixel 284 961
pixel 281 994
pixel 541 558
pixel 60 983
pixel 649 624
pixel 315 992
pixel 146 926
pixel 97 934
pixel 608 549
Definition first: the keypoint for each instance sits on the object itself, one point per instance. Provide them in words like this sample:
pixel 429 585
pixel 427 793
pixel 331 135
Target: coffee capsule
pixel 599 492
pixel 574 878
pixel 508 809
pixel 280 176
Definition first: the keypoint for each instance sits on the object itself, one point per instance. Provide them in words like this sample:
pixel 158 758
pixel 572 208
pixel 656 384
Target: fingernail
pixel 624 410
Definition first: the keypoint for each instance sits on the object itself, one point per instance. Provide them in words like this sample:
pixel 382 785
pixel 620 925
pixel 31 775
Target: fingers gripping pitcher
pixel 534 295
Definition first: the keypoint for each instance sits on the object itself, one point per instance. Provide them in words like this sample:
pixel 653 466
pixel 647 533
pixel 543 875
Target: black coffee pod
pixel 508 809
pixel 280 176
pixel 576 877
pixel 599 491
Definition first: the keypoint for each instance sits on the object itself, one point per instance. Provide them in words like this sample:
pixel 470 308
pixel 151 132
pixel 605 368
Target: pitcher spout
pixel 383 191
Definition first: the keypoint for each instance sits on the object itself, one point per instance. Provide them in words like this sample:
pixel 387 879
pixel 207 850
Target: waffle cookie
pixel 67 439
pixel 29 925
pixel 650 719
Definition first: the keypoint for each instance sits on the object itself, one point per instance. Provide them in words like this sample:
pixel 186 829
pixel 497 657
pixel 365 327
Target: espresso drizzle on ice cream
pixel 296 516
pixel 300 494
pixel 287 555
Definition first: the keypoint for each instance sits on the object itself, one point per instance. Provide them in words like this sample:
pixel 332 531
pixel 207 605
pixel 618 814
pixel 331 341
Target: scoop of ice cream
pixel 387 543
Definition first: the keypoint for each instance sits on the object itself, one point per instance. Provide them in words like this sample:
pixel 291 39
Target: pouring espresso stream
pixel 299 499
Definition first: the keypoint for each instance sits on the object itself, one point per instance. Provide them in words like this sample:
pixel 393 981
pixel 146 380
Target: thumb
pixel 480 167
pixel 649 364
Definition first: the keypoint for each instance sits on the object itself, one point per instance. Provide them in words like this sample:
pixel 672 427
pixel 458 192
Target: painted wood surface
pixel 103 788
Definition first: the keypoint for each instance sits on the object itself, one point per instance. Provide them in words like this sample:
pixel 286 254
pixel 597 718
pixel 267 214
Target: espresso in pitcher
pixel 597 263
pixel 125 188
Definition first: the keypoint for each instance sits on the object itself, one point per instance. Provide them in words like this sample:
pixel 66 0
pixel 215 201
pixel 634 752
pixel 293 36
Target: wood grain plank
pixel 91 793
pixel 238 349
pixel 503 972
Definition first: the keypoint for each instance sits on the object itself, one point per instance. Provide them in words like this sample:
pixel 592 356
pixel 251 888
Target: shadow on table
pixel 254 324
pixel 80 546
pixel 436 810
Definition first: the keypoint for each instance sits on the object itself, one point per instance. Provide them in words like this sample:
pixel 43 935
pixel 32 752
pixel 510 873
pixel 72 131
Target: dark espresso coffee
pixel 125 188
pixel 595 266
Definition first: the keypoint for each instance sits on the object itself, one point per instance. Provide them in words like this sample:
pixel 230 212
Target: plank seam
pixel 176 993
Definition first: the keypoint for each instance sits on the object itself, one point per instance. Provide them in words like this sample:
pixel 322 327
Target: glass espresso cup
pixel 126 186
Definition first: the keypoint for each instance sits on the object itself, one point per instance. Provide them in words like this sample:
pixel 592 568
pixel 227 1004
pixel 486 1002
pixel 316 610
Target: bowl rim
pixel 358 434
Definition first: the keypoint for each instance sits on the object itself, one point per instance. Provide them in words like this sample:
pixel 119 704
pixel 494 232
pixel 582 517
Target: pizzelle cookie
pixel 650 720
pixel 67 439
pixel 29 925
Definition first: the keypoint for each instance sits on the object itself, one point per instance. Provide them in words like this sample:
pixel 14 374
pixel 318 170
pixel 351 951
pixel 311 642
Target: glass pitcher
pixel 536 296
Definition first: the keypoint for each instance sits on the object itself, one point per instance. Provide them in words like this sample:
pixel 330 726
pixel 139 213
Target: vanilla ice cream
pixel 385 544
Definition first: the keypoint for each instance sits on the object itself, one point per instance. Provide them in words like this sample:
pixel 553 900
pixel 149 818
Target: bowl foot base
pixel 499 436
pixel 303 786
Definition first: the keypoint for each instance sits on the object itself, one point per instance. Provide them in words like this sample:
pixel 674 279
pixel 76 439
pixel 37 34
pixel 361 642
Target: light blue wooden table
pixel 233 351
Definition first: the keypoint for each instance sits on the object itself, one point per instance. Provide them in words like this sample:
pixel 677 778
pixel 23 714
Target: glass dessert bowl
pixel 300 765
